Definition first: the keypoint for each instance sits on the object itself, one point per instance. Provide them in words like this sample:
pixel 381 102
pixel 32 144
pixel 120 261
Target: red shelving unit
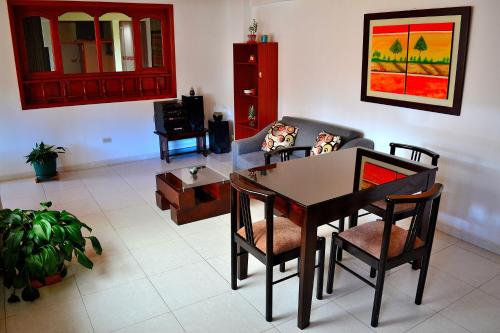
pixel 260 74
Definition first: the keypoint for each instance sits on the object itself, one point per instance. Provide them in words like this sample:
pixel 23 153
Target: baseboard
pixel 447 226
pixel 84 166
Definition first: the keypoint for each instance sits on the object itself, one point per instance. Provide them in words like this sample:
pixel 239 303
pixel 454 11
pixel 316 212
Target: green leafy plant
pixel 42 152
pixel 253 27
pixel 36 245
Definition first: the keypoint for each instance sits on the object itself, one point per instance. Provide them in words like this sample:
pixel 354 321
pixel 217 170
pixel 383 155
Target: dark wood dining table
pixel 320 189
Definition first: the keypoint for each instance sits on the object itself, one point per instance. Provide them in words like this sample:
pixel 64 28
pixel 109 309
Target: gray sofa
pixel 247 152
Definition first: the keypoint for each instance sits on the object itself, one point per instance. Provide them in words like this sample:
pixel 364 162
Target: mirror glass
pixel 38 43
pixel 117 45
pixel 78 45
pixel 151 43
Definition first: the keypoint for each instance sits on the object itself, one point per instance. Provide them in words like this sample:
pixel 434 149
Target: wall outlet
pixel 107 140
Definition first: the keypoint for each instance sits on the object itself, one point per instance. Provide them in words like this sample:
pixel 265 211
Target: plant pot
pixel 252 38
pixel 46 170
pixel 51 279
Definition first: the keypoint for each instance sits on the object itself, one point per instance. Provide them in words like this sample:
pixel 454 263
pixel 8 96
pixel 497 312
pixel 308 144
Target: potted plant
pixel 44 160
pixel 36 245
pixel 252 29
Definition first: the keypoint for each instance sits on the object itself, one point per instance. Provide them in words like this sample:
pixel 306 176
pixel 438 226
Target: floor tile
pixel 133 216
pixel 123 306
pixel 79 208
pixel 164 256
pixel 63 195
pixel 166 323
pixel 149 234
pixel 438 324
pixel 397 314
pixel 327 318
pixel 465 265
pixel 189 284
pixel 477 312
pixel 492 287
pixel 66 290
pixel 226 313
pixel 108 272
pixel 62 317
pixel 479 251
pixel 210 243
pixel 441 289
pixel 124 199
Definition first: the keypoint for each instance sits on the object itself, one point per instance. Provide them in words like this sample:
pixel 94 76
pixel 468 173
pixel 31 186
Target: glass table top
pixel 204 176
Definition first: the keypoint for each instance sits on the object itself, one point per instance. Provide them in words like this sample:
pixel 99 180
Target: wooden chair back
pixel 431 197
pixel 416 152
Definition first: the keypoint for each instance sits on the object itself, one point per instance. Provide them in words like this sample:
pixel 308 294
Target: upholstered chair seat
pixel 368 237
pixel 286 235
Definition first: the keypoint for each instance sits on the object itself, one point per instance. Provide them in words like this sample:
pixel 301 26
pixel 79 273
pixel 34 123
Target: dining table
pixel 320 189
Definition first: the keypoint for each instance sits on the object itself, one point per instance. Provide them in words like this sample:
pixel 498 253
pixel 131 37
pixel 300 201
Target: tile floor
pixel 155 276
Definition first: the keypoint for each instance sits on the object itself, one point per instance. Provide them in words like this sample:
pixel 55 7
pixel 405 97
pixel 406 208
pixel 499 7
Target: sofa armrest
pixel 359 142
pixel 248 145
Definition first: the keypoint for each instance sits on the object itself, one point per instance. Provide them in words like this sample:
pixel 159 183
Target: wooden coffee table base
pixel 192 204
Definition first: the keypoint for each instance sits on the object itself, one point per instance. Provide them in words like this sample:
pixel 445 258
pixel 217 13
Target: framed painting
pixel 416 59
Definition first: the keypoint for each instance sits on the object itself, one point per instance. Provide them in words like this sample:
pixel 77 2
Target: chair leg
pixel 331 266
pixel 298 266
pixel 379 287
pixel 282 267
pixel 269 291
pixel 321 268
pixel 341 228
pixel 421 279
pixel 373 272
pixel 234 265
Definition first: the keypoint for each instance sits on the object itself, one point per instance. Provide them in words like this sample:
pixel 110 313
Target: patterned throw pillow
pixel 326 143
pixel 279 136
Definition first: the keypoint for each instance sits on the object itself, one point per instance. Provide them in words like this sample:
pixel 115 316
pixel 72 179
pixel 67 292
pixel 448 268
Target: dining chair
pixel 403 211
pixel 383 245
pixel 281 233
pixel 285 154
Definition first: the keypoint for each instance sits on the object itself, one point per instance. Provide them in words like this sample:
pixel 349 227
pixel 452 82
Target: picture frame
pixel 416 59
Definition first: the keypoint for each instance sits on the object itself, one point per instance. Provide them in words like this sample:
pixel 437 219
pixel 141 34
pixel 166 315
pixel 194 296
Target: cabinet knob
pixel 260 75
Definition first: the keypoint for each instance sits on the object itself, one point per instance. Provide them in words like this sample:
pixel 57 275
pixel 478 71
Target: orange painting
pixel 412 59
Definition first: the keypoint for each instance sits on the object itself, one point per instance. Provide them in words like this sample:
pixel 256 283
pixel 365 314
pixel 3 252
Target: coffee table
pixel 192 198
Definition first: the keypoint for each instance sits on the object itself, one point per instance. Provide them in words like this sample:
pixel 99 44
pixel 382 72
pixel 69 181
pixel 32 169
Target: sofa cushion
pixel 326 143
pixel 309 129
pixel 280 135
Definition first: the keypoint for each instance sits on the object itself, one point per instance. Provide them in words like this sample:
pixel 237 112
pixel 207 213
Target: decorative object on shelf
pixel 250 92
pixel 416 59
pixel 37 243
pixel 191 92
pixel 264 38
pixel 252 29
pixel 251 115
pixel 218 116
pixel 194 170
pixel 44 160
pixel 251 58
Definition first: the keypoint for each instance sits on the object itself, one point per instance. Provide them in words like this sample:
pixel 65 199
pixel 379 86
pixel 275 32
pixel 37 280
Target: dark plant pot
pixel 252 39
pixel 46 170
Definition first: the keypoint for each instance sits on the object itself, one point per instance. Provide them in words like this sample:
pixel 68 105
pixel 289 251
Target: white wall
pixel 320 46
pixel 203 33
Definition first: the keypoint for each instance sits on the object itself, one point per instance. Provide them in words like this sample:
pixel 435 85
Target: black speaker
pixel 196 114
pixel 218 134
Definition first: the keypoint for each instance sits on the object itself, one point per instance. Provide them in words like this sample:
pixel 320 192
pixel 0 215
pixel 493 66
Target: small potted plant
pixel 44 160
pixel 252 29
pixel 36 245
pixel 251 115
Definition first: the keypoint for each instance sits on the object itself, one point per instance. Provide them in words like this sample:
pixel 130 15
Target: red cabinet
pixel 255 84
